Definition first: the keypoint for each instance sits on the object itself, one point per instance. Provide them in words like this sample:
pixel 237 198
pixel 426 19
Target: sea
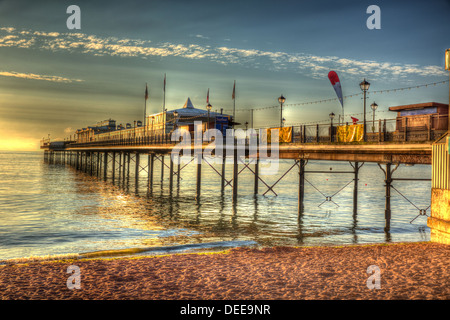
pixel 52 210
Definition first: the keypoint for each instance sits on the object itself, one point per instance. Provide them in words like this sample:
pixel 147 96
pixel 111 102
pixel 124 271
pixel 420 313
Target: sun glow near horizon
pixel 19 144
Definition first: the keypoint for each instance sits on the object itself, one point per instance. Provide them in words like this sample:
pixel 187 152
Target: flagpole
pixel 145 104
pixel 234 102
pixel 164 106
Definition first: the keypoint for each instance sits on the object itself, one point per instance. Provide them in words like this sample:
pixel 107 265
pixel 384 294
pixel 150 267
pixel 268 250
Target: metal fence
pixel 404 129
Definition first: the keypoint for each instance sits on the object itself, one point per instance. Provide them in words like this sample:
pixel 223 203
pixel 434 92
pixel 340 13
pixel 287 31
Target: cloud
pixel 313 66
pixel 33 76
pixel 201 36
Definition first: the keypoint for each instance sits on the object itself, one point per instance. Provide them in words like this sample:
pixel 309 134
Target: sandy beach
pixel 408 271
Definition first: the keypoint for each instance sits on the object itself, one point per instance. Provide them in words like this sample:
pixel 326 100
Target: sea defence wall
pixel 439 222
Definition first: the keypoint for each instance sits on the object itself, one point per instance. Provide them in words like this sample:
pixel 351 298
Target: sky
pixel 54 80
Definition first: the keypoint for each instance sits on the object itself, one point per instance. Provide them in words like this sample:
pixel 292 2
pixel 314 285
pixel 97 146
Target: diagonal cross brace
pixel 228 182
pixel 259 178
pixel 329 198
pixel 271 188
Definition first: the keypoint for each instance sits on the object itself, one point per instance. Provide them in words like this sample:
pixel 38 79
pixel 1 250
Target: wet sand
pixel 408 271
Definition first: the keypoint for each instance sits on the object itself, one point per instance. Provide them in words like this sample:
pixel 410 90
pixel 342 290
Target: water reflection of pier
pixel 120 163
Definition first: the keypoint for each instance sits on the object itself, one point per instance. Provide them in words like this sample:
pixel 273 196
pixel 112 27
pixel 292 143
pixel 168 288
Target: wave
pixel 131 251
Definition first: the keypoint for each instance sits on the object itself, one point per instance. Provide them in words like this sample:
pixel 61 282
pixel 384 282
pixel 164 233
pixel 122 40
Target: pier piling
pixel 136 171
pixel 199 174
pixel 301 186
pixel 387 209
pixel 151 160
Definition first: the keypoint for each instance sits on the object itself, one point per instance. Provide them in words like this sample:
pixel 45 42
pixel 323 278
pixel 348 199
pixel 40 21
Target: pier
pixel 133 158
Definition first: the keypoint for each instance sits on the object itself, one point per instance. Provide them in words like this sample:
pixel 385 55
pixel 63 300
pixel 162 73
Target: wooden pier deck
pixel 388 152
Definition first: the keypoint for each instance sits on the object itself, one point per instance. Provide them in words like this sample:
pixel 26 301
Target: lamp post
pixel 281 100
pixel 153 133
pixel 331 126
pixel 209 106
pixel 374 107
pixel 364 85
pixel 175 115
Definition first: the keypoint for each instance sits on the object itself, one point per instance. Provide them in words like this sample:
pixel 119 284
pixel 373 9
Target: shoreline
pixel 149 252
pixel 416 270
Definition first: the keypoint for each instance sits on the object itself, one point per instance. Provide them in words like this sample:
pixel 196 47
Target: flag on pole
pixel 146 92
pixel 207 97
pixel 234 90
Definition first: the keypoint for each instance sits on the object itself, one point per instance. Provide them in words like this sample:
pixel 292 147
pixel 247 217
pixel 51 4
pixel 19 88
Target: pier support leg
pixel 120 169
pixel 170 174
pixel 128 168
pixel 256 175
pixel 235 171
pixel 178 170
pixel 105 166
pixel 199 174
pixel 162 170
pixel 136 172
pixel 113 168
pixel 387 211
pixel 151 161
pixel 222 182
pixel 91 163
pixel 85 162
pixel 355 190
pixel 301 186
pixel 98 164
pixel 124 168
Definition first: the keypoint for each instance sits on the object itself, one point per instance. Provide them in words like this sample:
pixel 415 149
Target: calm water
pixel 52 209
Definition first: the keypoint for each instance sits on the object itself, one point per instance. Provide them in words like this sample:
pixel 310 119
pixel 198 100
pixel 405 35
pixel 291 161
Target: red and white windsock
pixel 336 83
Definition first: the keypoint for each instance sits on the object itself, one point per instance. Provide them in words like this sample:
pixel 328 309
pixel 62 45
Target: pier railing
pixel 404 129
pixel 407 129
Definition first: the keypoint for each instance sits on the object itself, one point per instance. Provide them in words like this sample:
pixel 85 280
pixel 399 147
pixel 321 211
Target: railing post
pixel 379 130
pixel 317 132
pixel 406 128
pixel 429 128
